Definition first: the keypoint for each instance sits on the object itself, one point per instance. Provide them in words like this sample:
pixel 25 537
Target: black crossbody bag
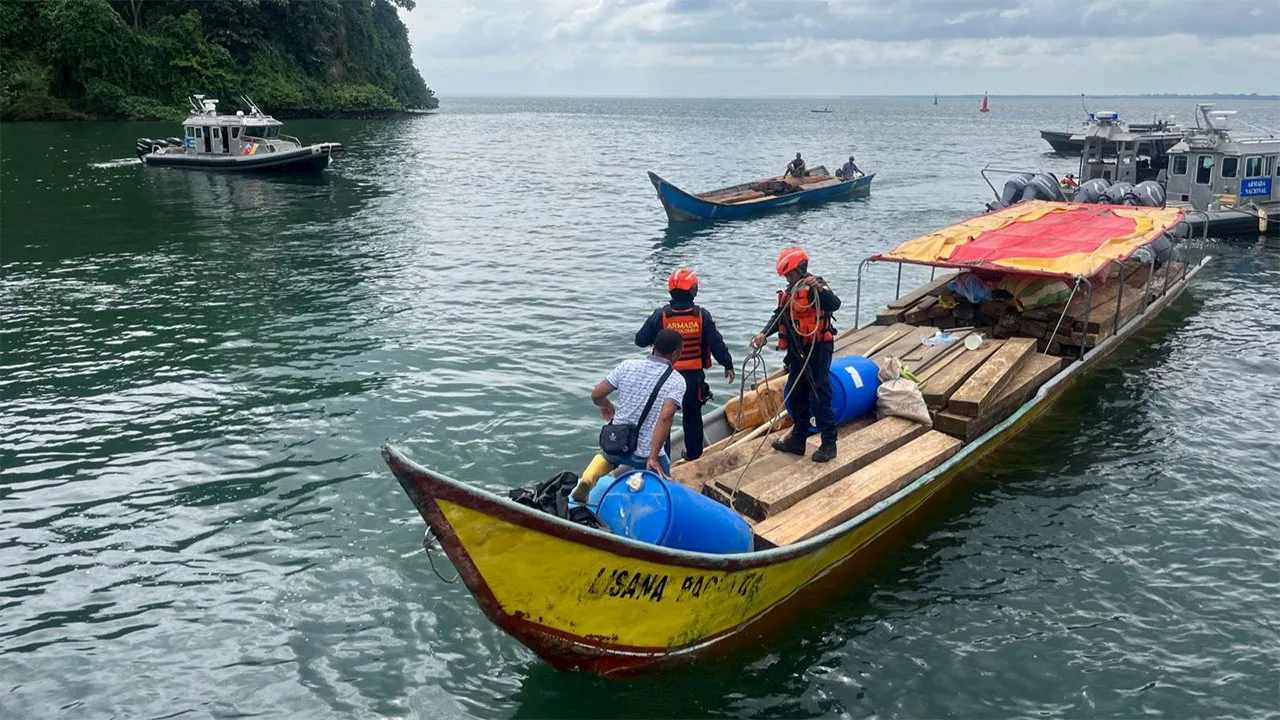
pixel 621 439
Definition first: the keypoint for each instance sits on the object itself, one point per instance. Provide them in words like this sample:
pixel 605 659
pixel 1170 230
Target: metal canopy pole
pixel 1088 307
pixel 1115 328
pixel 857 303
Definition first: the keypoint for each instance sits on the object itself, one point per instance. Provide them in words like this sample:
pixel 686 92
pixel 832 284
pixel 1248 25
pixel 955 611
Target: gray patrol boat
pixel 246 142
pixel 1228 185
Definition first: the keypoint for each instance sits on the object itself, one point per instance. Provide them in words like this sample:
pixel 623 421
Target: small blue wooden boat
pixel 751 198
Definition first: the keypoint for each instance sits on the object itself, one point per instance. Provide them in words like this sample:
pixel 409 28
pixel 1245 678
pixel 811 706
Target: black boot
pixel 793 444
pixel 825 453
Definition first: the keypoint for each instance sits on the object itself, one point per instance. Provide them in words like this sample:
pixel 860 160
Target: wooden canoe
pixel 591 601
pixel 751 198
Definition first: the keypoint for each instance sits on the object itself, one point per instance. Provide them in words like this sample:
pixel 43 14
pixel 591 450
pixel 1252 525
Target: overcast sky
pixel 845 47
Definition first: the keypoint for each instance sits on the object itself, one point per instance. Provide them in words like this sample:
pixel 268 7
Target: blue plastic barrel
pixel 666 513
pixel 854 380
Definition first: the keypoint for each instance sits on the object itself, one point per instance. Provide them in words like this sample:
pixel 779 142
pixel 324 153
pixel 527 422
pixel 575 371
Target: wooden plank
pixel 865 345
pixel 726 467
pixel 939 388
pixel 889 317
pixel 780 490
pixel 920 311
pixel 905 345
pixel 933 287
pixel 846 498
pixel 1035 372
pixel 985 384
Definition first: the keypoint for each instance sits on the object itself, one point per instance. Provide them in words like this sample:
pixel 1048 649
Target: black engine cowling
pixel 1116 193
pixel 1043 186
pixel 1013 188
pixel 1147 193
pixel 1092 191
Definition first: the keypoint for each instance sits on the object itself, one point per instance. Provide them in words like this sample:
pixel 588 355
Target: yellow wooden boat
pixel 591 601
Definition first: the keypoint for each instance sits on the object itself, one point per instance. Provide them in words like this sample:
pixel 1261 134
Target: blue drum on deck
pixel 642 506
pixel 854 380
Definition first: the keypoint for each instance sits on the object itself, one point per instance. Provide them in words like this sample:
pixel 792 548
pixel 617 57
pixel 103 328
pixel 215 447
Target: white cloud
pixel 764 47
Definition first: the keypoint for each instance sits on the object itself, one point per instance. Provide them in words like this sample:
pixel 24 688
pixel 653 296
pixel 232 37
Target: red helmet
pixel 682 279
pixel 791 259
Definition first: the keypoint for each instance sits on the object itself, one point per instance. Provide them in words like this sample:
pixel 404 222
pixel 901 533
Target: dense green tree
pixel 142 58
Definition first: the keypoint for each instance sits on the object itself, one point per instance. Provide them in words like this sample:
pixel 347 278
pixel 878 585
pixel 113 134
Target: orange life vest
pixel 803 320
pixel 689 324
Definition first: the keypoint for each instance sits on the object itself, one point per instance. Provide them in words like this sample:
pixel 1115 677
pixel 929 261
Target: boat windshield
pixel 262 131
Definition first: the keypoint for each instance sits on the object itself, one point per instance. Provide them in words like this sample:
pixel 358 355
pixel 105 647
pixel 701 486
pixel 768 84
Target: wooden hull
pixel 682 206
pixel 591 601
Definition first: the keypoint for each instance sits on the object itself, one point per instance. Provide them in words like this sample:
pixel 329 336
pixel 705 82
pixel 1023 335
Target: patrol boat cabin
pixel 1227 185
pixel 250 141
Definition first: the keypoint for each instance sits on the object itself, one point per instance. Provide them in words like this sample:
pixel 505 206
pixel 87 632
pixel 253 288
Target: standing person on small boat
pixel 849 171
pixel 702 341
pixel 806 330
pixel 636 382
pixel 795 168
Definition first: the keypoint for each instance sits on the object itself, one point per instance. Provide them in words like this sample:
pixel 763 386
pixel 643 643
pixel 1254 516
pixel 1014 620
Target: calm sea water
pixel 198 369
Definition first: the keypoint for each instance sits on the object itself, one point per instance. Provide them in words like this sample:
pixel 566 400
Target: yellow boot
pixel 598 466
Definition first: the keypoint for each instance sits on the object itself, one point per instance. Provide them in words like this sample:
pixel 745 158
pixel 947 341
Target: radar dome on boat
pixel 239 113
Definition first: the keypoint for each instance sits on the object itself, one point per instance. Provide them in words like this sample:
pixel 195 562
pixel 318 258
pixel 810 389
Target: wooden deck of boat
pixel 766 189
pixel 787 498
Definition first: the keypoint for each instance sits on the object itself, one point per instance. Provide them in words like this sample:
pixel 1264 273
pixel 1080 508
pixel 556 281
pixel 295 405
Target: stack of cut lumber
pixel 1084 323
pixel 733 197
pixel 1004 377
pixel 863 474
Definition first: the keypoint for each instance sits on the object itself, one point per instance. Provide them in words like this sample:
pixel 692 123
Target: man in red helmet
pixel 702 341
pixel 807 331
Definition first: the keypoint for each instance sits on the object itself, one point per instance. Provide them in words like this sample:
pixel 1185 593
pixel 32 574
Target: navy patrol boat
pixel 1227 185
pixel 243 142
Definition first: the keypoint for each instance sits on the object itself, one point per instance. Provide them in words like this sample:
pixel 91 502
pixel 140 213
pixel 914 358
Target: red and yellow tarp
pixel 1042 238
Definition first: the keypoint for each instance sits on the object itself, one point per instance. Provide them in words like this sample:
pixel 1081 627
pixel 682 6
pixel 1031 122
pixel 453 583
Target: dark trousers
pixel 810 392
pixel 691 409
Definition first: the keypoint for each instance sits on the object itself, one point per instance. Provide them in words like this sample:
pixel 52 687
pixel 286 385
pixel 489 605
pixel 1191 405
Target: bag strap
pixel 654 395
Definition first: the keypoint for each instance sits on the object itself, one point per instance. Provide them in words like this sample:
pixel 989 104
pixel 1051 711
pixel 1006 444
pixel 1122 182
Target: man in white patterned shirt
pixel 634 380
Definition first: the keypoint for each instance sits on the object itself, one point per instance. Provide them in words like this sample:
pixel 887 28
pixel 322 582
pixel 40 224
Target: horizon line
pixel 645 96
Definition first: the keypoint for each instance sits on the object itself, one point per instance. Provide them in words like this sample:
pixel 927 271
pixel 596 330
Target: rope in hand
pixel 791 385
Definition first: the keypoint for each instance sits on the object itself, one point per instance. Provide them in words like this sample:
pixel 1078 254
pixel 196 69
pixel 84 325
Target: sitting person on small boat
pixel 806 330
pixel 702 341
pixel 642 384
pixel 795 168
pixel 849 171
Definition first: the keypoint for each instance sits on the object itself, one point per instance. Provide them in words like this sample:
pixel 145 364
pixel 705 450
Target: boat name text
pixel 656 587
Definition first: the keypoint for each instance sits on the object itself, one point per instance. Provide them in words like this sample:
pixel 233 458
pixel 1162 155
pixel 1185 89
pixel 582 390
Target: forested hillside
pixel 70 59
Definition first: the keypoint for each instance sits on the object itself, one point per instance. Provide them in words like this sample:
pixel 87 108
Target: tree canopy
pixel 143 58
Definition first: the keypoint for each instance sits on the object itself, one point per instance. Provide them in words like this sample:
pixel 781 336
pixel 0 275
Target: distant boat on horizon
pixel 823 110
pixel 984 103
pixel 935 99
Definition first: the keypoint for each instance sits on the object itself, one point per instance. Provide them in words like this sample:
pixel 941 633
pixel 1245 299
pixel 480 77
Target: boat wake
pixel 118 162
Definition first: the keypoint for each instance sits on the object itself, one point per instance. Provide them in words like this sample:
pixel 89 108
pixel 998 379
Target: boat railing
pixel 1003 171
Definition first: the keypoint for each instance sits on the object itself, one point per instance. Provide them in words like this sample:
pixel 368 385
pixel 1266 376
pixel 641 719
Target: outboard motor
pixel 174 142
pixel 1147 193
pixel 144 146
pixel 1092 191
pixel 1163 248
pixel 1013 188
pixel 1043 187
pixel 1115 194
